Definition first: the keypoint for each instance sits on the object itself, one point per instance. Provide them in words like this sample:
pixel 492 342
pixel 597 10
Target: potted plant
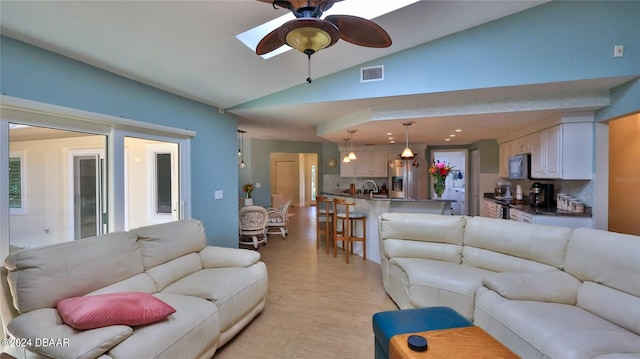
pixel 248 188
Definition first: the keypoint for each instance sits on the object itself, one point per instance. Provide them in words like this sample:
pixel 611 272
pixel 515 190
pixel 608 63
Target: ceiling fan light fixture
pixel 352 156
pixel 309 35
pixel 346 159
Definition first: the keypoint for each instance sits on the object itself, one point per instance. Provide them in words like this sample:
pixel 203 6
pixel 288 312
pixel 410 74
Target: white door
pixel 287 180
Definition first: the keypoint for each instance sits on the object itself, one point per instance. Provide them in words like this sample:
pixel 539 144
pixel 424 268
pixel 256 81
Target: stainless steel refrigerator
pixel 408 179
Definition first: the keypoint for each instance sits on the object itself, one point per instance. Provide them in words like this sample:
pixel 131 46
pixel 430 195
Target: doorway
pixel 456 181
pixel 295 176
pixel 87 194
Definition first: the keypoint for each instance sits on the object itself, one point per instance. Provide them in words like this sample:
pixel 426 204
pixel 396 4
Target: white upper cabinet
pixel 368 164
pixel 347 169
pixel 372 164
pixel 564 151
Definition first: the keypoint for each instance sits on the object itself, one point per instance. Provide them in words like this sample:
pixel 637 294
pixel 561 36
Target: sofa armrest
pixel 62 341
pixel 551 286
pixel 217 257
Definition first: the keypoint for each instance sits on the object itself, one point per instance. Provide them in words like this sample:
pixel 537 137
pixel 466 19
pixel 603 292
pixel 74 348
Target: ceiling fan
pixel 308 33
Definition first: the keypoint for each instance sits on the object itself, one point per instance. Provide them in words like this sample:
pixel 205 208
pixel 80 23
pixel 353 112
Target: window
pixel 16 183
pixel 163 183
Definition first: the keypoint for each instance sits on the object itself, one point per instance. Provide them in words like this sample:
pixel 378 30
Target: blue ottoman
pixel 388 324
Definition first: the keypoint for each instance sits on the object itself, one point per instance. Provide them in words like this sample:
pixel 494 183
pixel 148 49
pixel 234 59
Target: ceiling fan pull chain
pixel 309 70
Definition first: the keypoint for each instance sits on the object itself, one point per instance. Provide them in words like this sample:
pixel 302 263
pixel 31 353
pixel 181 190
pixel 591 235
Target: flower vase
pixel 248 201
pixel 438 186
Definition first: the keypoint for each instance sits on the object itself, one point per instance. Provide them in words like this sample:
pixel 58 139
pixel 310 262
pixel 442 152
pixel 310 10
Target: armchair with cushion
pixel 278 220
pixel 253 224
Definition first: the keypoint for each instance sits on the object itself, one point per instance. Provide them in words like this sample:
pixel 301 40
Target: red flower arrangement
pixel 439 171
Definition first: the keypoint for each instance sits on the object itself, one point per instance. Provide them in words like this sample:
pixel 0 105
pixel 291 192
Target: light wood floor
pixel 317 306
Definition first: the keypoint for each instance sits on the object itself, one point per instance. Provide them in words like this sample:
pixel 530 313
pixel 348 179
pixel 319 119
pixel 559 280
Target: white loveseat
pixel 543 291
pixel 215 291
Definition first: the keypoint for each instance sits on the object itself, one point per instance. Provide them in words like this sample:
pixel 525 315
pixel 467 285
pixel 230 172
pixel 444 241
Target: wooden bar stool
pixel 346 232
pixel 324 220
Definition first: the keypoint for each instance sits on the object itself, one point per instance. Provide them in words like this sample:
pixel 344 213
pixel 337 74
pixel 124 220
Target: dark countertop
pixel 377 197
pixel 538 211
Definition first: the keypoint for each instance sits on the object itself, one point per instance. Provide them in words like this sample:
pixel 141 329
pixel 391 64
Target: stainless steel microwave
pixel 520 166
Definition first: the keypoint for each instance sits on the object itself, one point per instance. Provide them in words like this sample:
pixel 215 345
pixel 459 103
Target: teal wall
pixel 260 164
pixel 556 41
pixel 32 73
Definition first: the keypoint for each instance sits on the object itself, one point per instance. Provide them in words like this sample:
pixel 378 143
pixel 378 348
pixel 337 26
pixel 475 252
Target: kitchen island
pixel 374 206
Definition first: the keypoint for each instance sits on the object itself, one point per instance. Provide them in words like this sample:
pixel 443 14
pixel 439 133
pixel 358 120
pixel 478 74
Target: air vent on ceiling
pixel 373 73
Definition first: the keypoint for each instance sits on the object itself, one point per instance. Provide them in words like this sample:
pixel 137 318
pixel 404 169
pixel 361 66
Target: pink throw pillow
pixel 126 308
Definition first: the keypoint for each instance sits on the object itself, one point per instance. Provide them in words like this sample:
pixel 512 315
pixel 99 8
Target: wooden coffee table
pixel 465 342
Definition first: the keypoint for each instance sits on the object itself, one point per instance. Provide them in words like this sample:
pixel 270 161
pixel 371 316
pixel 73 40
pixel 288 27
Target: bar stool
pixel 348 219
pixel 324 220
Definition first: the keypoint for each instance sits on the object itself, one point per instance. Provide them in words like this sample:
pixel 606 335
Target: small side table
pixel 390 323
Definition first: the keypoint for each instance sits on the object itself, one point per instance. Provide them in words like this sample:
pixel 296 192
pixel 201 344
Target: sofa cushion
pixel 598 299
pixel 191 332
pixel 40 277
pixel 216 257
pixel 553 286
pixel 608 258
pixel 422 227
pixel 538 243
pixel 234 290
pixel 46 323
pixel 161 243
pixel 499 262
pixel 169 272
pixel 554 330
pixel 437 283
pixel 126 308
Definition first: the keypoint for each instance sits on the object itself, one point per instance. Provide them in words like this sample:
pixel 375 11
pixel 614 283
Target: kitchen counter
pixel 538 211
pixel 373 207
pixel 378 197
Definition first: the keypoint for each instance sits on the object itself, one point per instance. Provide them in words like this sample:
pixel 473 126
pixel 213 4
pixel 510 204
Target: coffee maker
pixel 541 194
pixel 536 196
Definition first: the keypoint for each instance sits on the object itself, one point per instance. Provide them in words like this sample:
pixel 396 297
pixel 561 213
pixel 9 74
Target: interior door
pixel 87 191
pixel 287 180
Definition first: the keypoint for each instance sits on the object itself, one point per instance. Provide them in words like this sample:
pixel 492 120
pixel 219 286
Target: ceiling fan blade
pixel 360 31
pixel 269 43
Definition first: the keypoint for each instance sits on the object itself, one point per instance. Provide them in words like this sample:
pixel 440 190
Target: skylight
pixel 363 8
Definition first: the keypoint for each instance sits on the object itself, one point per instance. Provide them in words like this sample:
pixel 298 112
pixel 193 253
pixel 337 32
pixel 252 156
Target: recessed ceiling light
pixel 389 133
pixel 458 130
pixel 452 135
pixel 391 138
pixel 392 141
pixel 363 8
pixel 447 139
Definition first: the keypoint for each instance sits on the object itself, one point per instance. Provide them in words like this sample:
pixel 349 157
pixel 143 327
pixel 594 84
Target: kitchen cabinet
pixel 347 169
pixel 508 149
pixel 372 164
pixel 504 152
pixel 563 151
pixel 369 164
pixel 520 216
pixel 562 221
pixel 489 209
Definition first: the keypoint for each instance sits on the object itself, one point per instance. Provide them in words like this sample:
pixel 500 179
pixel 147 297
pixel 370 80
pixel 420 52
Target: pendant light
pixel 352 155
pixel 239 144
pixel 346 158
pixel 241 149
pixel 407 153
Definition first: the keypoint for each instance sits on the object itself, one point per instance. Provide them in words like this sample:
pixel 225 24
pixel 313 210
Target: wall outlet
pixel 219 195
pixel 258 185
pixel 618 51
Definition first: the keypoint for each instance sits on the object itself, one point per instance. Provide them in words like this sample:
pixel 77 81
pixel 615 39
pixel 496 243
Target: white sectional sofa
pixel 543 291
pixel 215 292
